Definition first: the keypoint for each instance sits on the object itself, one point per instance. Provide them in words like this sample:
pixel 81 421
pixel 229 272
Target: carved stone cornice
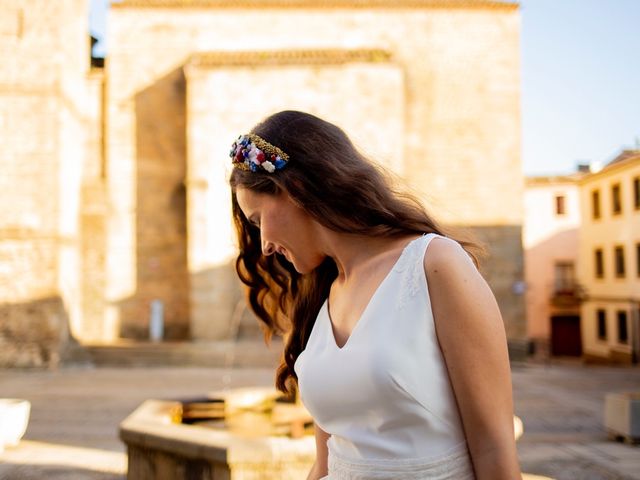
pixel 289 57
pixel 325 4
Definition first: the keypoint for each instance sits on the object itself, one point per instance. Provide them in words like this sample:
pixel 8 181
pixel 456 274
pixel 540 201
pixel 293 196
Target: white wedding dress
pixel 385 397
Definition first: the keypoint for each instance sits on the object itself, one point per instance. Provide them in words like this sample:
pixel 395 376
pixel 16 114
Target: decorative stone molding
pixel 289 57
pixel 365 4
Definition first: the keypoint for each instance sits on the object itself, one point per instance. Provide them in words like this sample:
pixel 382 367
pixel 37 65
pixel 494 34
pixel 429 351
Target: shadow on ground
pixel 12 471
pixel 571 469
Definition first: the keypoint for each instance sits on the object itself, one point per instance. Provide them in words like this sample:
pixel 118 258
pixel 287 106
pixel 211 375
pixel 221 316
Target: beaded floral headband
pixel 251 152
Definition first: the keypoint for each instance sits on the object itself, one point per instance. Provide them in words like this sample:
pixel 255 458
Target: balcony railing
pixel 567 294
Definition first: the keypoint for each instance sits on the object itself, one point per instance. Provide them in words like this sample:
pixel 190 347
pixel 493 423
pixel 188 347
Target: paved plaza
pixel 72 433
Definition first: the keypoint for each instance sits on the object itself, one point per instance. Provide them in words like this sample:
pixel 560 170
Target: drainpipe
pixel 635 333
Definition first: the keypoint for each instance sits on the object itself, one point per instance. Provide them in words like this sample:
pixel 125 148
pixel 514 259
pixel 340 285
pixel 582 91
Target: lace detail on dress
pixel 411 268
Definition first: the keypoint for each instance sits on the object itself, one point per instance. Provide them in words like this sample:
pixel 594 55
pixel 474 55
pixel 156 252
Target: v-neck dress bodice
pixel 385 397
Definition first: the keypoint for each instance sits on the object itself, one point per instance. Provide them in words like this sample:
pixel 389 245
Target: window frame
pixel 560 204
pixel 598 267
pixel 616 198
pixel 601 324
pixel 622 318
pixel 619 261
pixel 564 276
pixel 596 211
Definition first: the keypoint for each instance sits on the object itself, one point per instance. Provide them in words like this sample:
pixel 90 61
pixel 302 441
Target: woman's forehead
pixel 251 201
pixel 247 200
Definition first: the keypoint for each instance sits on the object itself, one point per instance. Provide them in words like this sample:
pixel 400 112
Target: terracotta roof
pixel 624 158
pixel 446 4
pixel 624 155
pixel 289 57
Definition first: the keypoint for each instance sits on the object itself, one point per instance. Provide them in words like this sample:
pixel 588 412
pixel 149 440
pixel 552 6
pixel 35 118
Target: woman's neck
pixel 354 254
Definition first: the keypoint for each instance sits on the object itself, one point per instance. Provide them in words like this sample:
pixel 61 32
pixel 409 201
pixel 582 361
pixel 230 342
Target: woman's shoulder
pixel 456 287
pixel 446 259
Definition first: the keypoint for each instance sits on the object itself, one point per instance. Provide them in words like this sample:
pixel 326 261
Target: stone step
pixel 244 353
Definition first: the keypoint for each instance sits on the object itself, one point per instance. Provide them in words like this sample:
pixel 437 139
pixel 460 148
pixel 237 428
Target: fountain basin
pixel 158 447
pixel 14 417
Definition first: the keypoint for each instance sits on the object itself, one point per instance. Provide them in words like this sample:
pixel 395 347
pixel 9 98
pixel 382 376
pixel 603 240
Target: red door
pixel 565 335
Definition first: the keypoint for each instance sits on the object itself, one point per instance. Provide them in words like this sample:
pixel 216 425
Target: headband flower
pixel 251 152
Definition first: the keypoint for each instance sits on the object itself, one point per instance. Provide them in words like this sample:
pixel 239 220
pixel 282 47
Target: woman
pixel 399 352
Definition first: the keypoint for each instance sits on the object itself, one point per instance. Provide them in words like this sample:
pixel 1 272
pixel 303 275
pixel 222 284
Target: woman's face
pixel 285 228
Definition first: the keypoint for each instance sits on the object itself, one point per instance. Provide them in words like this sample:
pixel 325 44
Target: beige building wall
pixel 549 237
pixel 45 51
pixel 611 292
pixel 460 139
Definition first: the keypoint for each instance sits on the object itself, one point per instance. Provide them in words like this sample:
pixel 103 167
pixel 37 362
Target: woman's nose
pixel 268 248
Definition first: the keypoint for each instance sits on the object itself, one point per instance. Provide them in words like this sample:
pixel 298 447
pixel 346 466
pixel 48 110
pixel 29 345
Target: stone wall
pixel 503 268
pixel 462 91
pixel 41 100
pixel 460 118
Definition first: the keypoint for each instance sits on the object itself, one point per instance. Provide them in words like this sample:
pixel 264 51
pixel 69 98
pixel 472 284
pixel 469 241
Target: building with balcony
pixel 550 239
pixel 609 260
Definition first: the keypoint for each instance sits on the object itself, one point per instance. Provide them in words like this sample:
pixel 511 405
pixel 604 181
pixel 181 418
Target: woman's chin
pixel 308 266
pixel 301 269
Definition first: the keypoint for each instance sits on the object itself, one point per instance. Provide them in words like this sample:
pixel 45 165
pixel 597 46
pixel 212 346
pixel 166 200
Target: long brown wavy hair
pixel 341 190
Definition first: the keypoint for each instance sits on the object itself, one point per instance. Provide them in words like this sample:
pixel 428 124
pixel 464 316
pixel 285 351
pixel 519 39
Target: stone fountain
pixel 236 434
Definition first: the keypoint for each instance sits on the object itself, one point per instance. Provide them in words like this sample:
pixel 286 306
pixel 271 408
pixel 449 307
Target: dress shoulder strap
pixel 421 248
pixel 411 269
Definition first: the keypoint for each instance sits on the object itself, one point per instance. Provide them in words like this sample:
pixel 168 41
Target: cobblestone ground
pixel 72 433
pixel 561 406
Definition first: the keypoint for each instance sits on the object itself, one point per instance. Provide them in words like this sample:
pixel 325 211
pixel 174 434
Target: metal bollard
pixel 156 321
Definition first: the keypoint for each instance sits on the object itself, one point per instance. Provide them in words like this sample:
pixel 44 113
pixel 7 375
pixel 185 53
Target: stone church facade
pixel 115 178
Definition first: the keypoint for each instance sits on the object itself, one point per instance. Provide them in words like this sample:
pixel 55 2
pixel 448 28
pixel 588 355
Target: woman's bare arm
pixel 473 341
pixel 320 466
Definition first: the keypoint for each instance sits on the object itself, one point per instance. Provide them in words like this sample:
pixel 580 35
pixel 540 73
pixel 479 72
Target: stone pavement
pixel 72 434
pixel 561 406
